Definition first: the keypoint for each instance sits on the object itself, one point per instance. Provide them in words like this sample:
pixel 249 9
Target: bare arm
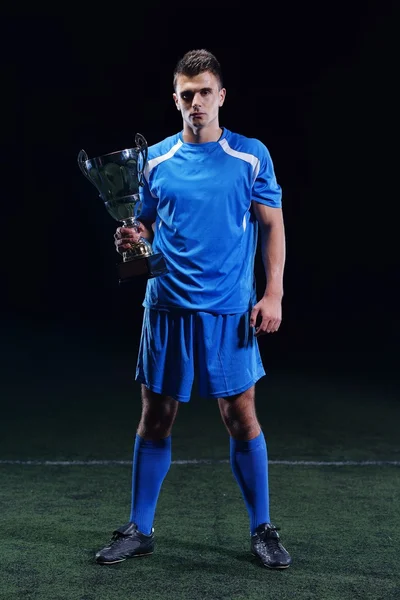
pixel 273 250
pixel 273 246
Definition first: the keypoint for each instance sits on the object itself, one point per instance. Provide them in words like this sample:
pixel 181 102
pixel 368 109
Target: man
pixel 207 191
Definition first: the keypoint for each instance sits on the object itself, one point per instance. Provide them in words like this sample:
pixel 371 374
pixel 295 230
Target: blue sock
pixel 151 462
pixel 249 462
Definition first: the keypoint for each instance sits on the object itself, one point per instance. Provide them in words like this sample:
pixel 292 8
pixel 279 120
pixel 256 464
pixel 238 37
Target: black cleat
pixel 126 542
pixel 266 546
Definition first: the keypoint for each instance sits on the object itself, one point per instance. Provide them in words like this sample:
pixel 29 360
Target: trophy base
pixel 145 267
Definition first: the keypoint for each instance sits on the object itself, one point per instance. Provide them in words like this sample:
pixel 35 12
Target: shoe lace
pixel 271 542
pixel 117 538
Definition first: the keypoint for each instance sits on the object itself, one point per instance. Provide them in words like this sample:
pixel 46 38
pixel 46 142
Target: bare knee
pixel 239 415
pixel 158 415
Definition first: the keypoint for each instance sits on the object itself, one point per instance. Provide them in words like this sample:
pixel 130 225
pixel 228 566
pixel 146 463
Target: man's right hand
pixel 124 237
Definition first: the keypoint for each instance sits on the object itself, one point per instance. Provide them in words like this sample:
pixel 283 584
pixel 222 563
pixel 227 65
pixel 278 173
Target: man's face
pixel 199 99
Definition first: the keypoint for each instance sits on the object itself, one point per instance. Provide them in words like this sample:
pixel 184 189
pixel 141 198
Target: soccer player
pixel 207 193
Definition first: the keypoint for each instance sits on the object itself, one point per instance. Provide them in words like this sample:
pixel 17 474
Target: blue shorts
pixel 220 349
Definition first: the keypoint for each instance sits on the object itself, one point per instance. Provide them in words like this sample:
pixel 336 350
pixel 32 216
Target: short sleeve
pixel 266 189
pixel 147 210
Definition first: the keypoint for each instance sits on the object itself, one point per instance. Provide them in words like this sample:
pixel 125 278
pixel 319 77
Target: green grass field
pixel 340 523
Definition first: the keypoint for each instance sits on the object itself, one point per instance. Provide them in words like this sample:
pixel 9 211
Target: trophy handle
pixel 141 143
pixel 82 158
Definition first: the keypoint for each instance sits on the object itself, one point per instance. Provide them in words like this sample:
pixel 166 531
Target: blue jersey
pixel 199 196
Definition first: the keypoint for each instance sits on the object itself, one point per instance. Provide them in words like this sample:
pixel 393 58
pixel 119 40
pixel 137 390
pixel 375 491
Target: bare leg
pixel 239 415
pixel 152 456
pixel 158 415
pixel 248 452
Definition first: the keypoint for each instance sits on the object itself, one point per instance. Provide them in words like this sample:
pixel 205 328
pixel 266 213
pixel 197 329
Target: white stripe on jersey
pixel 159 159
pixel 250 158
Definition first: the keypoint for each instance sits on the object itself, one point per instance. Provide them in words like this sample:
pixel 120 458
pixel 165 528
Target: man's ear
pixel 176 100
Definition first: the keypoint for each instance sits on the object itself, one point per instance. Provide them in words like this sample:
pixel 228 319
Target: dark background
pixel 314 82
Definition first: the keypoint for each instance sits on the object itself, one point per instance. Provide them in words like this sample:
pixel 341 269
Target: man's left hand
pixel 266 315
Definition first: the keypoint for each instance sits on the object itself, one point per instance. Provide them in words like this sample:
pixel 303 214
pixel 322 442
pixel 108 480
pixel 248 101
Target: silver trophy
pixel 117 177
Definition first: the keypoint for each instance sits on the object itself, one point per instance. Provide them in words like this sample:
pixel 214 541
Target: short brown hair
pixel 195 62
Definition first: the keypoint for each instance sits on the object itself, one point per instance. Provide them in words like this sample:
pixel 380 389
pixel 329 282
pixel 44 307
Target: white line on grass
pixel 205 461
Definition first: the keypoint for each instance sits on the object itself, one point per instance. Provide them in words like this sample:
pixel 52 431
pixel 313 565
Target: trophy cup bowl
pixel 117 177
